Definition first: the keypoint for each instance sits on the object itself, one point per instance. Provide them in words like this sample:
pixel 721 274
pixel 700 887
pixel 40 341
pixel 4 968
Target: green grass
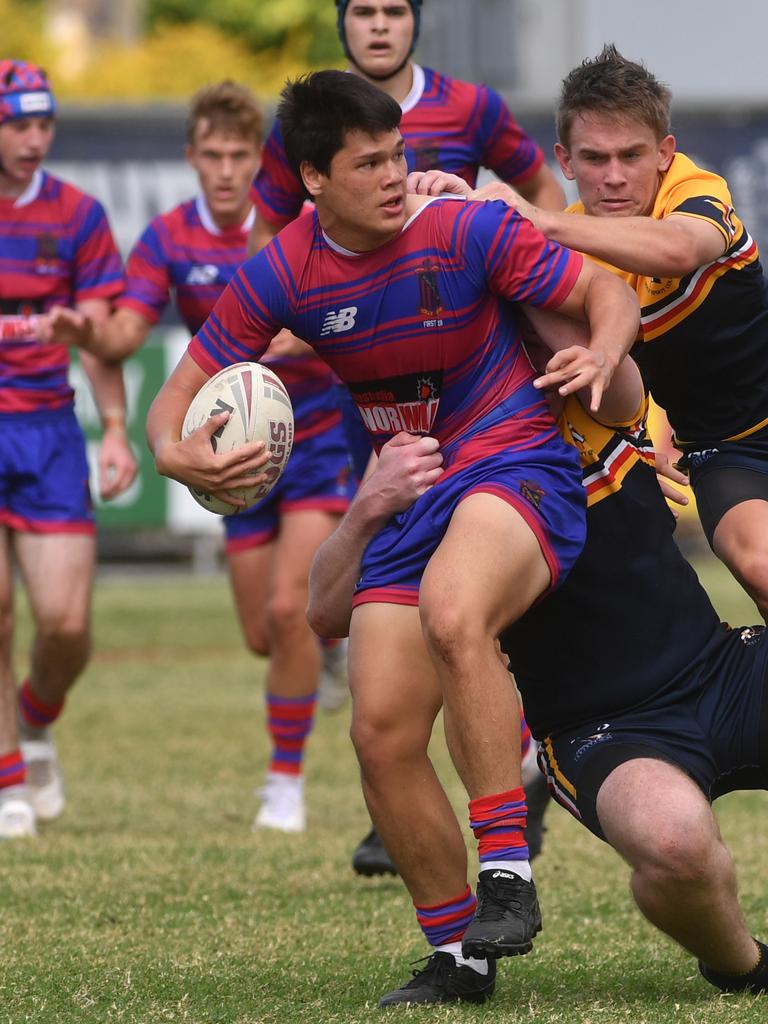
pixel 151 901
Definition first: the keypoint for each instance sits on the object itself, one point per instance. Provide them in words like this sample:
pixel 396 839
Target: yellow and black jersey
pixel 704 350
pixel 583 652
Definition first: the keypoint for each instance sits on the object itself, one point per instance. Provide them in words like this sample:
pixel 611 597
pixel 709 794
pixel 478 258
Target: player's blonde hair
pixel 226 107
pixel 610 84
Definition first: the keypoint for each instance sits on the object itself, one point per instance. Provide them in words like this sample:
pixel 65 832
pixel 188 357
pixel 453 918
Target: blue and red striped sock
pixel 498 822
pixel 446 922
pixel 12 770
pixel 289 722
pixel 36 712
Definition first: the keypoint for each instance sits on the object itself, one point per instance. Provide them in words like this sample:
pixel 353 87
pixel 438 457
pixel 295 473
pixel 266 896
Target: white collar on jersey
pixel 210 225
pixel 349 252
pixel 417 89
pixel 32 191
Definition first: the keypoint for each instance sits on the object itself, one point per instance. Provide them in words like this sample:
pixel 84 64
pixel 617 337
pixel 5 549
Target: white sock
pixel 454 948
pixel 517 867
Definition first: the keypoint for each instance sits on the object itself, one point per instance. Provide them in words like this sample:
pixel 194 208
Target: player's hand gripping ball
pixel 259 410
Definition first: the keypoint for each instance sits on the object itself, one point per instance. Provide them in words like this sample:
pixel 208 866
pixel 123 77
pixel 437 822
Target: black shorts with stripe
pixel 717 734
pixel 726 475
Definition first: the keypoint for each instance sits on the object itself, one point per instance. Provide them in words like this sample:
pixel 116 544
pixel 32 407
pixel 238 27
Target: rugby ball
pixel 259 410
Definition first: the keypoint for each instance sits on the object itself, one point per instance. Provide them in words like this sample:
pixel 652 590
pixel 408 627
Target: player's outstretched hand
pixel 408 465
pixel 575 368
pixel 437 183
pixel 508 195
pixel 62 326
pixel 666 471
pixel 117 464
pixel 192 461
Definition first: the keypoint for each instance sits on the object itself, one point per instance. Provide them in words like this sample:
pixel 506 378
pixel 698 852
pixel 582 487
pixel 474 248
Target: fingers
pixel 436 183
pixel 665 467
pixel 672 493
pixel 425 445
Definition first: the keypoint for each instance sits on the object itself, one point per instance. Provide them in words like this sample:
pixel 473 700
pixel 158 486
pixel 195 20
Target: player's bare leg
pixel 17 817
pixel 58 572
pixel 294 665
pixel 487 571
pixel 739 540
pixel 249 574
pixel 395 701
pixel 683 877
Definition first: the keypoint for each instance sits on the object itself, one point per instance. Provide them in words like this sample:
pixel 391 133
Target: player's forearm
pixel 120 335
pixel 336 566
pixel 638 245
pixel 613 315
pixel 108 387
pixel 167 412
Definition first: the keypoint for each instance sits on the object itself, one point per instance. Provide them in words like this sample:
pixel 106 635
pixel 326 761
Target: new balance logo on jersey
pixel 336 323
pixel 205 273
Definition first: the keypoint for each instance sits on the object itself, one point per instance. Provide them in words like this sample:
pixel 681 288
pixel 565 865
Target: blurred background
pixel 123 71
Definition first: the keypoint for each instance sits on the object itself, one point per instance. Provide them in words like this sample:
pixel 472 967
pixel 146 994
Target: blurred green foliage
pixel 260 24
pixel 186 44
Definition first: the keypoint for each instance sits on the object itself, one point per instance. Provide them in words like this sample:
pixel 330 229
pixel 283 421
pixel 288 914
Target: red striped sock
pixel 498 822
pixel 12 769
pixel 446 922
pixel 289 722
pixel 34 711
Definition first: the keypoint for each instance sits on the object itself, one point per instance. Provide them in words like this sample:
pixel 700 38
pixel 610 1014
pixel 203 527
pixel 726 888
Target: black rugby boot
pixel 507 916
pixel 444 981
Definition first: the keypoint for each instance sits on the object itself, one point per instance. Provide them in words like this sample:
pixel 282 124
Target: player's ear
pixel 563 158
pixel 312 178
pixel 666 152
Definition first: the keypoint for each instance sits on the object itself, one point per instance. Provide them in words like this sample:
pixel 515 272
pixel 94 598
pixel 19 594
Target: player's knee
pixel 256 639
pixel 383 740
pixel 680 852
pixel 752 567
pixel 68 632
pixel 286 614
pixel 451 632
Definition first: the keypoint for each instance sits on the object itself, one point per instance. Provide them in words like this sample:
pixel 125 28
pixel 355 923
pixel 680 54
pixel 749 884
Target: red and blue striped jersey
pixel 447 124
pixel 56 249
pixel 185 254
pixel 421 329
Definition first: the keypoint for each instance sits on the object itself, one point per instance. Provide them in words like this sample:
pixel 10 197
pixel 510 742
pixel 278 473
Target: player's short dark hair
pixel 227 107
pixel 610 84
pixel 317 110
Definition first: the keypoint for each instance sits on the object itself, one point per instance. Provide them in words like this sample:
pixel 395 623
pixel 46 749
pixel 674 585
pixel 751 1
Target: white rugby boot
pixel 282 806
pixel 17 816
pixel 44 781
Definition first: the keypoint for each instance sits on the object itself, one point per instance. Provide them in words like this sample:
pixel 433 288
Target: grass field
pixel 151 901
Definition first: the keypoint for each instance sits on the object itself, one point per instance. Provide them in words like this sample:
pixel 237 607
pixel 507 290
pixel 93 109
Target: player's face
pixel 225 166
pixel 617 165
pixel 24 144
pixel 379 35
pixel 361 202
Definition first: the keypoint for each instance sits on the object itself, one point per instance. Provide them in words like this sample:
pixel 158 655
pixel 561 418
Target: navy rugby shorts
pixel 717 735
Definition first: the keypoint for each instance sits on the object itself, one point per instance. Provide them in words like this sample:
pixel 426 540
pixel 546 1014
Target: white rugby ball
pixel 259 410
